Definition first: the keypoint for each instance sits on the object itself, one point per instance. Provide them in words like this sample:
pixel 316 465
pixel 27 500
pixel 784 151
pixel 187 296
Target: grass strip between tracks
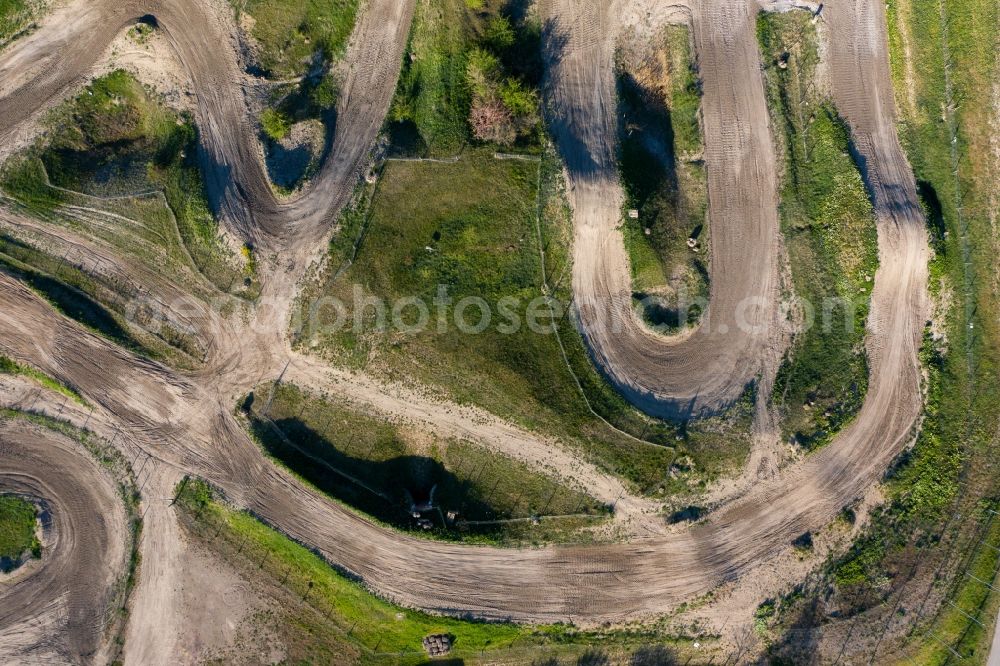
pixel 11 367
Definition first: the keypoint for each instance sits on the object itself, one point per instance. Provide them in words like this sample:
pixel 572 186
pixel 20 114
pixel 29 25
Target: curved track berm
pixel 60 609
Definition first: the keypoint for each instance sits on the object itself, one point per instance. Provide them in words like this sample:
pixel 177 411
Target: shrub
pixel 492 121
pixel 275 124
pixel 324 95
pixel 482 69
pixel 500 34
pixel 502 108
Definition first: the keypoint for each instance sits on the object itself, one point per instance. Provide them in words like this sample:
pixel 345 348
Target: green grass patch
pixel 468 227
pixel 829 229
pixel 967 625
pixel 15 16
pixel 11 367
pixel 383 469
pixel 664 182
pixel 472 71
pixel 18 523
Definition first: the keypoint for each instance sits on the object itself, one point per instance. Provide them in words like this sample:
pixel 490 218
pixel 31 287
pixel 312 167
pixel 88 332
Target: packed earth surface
pixel 107 439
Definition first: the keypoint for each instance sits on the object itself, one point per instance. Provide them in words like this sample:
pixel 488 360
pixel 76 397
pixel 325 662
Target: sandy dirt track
pixel 701 372
pixel 58 610
pixel 186 422
pixel 39 71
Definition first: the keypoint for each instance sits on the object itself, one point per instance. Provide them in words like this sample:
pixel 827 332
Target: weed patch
pixel 297 43
pixel 294 36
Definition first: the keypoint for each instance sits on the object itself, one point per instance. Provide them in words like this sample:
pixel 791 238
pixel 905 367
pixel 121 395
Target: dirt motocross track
pixel 60 608
pixel 185 422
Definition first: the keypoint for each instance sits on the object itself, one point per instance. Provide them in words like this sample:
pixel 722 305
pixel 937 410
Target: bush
pixel 503 108
pixel 499 33
pixel 324 95
pixel 275 124
pixel 492 121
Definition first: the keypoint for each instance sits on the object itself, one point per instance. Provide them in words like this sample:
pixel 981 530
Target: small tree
pixel 492 121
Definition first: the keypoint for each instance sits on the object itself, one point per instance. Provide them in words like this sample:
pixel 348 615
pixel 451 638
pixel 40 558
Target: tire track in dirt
pixel 187 423
pixel 59 608
pixel 700 372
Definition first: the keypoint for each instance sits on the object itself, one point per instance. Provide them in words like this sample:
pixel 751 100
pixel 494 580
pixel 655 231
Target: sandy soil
pixel 184 423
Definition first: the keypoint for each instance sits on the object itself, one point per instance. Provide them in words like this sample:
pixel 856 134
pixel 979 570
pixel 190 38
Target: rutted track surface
pixel 187 421
pixel 58 609
pixel 706 370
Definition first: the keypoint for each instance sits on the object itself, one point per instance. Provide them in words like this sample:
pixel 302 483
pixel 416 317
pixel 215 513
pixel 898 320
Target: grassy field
pixel 470 228
pixel 829 230
pixel 15 16
pixel 463 55
pixel 327 617
pixel 18 522
pixel 380 469
pixel 664 180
